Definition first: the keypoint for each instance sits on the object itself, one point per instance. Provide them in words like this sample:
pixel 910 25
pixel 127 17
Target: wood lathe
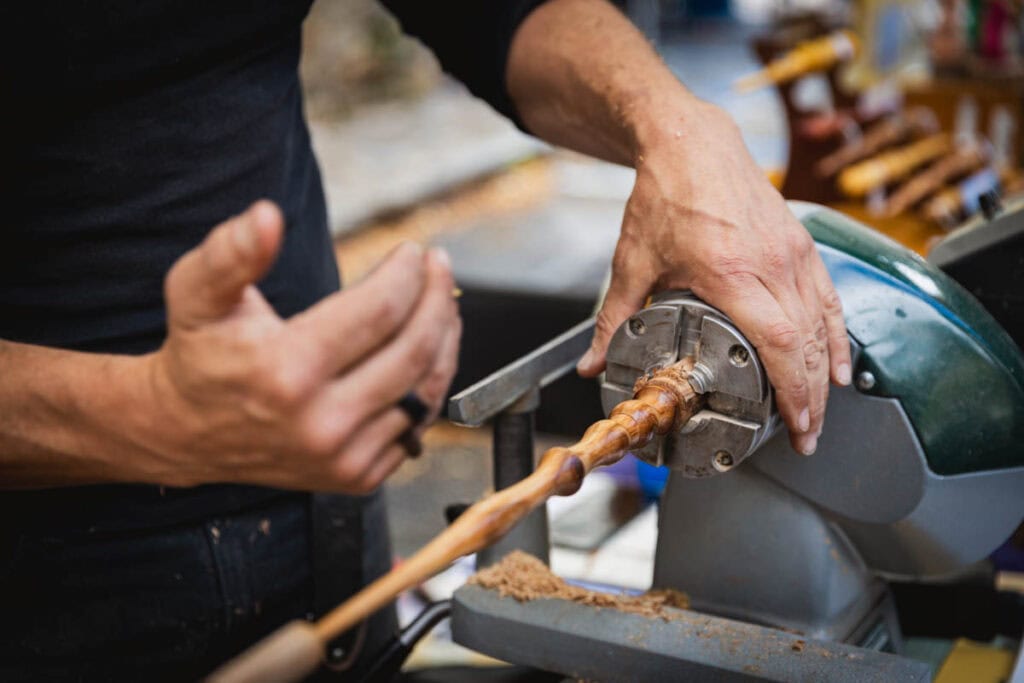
pixel 784 557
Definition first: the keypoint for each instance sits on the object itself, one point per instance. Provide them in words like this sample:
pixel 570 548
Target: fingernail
pixel 441 257
pixel 844 374
pixel 244 236
pixel 804 423
pixel 808 445
pixel 586 361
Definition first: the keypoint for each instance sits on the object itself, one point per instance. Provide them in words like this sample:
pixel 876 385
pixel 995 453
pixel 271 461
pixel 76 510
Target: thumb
pixel 626 295
pixel 207 283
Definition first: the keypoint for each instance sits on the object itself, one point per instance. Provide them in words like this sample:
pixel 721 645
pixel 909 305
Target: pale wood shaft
pixel 290 653
pixel 664 400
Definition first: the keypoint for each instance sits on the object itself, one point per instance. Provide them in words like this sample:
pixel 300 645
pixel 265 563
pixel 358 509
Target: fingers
pixel 815 360
pixel 835 325
pixel 779 343
pixel 207 283
pixel 630 285
pixel 387 375
pixel 372 454
pixel 434 387
pixel 390 459
pixel 350 324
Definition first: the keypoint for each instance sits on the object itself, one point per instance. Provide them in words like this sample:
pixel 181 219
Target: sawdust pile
pixel 523 577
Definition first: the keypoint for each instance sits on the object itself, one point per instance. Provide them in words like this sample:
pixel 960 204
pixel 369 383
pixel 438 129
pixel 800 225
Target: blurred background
pixel 408 154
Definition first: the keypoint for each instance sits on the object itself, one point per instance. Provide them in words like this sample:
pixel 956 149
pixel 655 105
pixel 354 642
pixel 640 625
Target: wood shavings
pixel 523 577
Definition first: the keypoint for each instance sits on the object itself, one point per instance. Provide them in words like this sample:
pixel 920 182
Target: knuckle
pixel 282 386
pixel 801 243
pixel 831 302
pixel 348 471
pixel 782 335
pixel 813 354
pixel 420 356
pixel 386 311
pixel 605 325
pixel 320 440
pixel 797 386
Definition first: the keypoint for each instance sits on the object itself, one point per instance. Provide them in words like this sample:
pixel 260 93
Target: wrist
pixel 676 126
pixel 155 424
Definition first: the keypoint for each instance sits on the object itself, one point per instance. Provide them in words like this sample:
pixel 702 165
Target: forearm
pixel 74 418
pixel 583 77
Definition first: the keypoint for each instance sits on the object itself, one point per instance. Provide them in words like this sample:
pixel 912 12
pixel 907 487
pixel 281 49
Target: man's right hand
pixel 309 402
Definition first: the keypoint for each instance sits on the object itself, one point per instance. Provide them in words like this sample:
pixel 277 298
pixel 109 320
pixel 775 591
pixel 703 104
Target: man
pixel 170 391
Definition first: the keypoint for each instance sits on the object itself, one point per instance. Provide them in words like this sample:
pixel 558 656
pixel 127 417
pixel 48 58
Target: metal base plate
pixel 605 645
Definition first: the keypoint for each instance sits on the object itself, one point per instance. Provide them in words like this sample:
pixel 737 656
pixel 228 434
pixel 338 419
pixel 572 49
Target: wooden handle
pixel 661 402
pixel 289 654
pixel 807 57
pixel 860 179
pixel 933 178
pixel 890 131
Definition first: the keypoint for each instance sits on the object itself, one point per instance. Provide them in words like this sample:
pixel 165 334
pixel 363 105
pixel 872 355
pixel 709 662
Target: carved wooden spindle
pixel 661 402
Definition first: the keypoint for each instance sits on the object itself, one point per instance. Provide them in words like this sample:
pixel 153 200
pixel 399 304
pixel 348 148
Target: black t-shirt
pixel 134 127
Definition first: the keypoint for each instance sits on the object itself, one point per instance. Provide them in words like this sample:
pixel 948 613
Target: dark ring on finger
pixel 411 443
pixel 414 407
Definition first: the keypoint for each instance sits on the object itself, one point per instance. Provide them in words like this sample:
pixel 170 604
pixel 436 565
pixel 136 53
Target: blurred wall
pixel 354 53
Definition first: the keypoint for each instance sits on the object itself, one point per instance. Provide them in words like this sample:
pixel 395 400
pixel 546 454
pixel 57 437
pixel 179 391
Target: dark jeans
pixel 172 602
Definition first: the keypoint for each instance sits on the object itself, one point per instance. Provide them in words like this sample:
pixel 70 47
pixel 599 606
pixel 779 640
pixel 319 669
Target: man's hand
pixel 703 217
pixel 305 403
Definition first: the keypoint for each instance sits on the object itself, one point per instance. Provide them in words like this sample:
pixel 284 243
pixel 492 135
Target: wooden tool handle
pixel 893 130
pixel 290 653
pixel 807 57
pixel 960 162
pixel 860 179
pixel 661 402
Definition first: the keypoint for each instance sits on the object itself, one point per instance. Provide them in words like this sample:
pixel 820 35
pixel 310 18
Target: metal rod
pixel 513 461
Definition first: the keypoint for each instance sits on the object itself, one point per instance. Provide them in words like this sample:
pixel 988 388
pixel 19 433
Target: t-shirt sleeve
pixel 471 39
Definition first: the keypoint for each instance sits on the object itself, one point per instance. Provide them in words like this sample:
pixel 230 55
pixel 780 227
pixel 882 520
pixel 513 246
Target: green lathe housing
pixel 929 343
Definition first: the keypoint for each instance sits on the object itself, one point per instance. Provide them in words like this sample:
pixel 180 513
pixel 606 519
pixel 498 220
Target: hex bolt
pixel 865 381
pixel 738 356
pixel 637 326
pixel 722 460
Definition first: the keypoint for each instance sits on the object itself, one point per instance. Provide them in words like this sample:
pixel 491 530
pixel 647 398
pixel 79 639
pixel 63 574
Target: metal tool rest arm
pixel 511 396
